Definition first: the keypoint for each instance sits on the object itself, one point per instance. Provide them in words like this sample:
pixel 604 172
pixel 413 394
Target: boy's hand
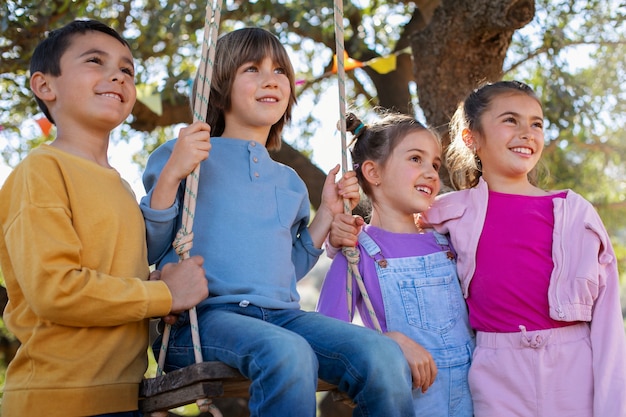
pixel 191 148
pixel 187 283
pixel 344 230
pixel 423 367
pixel 348 189
pixel 333 194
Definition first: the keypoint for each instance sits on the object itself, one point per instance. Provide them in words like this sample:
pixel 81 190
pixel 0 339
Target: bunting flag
pixel 349 63
pixel 44 125
pixel 382 65
pixel 152 100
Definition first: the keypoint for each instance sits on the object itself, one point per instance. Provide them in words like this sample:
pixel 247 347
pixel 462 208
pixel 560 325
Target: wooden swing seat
pixel 201 380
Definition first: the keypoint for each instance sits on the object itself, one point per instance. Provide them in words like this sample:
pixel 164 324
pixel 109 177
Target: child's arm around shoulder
pixel 333 195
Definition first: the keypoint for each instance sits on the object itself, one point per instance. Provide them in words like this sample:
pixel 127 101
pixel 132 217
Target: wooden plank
pixel 198 372
pixel 180 397
pixel 200 380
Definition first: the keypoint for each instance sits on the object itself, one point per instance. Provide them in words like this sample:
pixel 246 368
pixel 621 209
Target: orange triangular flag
pixel 44 125
pixel 348 63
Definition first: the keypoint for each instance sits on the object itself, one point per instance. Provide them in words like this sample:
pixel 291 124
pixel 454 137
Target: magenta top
pixel 513 265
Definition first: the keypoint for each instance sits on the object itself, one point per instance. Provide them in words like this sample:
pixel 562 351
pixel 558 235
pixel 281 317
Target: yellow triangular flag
pixel 150 100
pixel 383 65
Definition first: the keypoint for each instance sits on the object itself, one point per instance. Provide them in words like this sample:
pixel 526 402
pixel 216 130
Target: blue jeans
pixel 283 352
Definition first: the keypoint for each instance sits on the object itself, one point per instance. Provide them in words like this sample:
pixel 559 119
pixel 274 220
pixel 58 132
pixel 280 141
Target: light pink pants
pixel 544 373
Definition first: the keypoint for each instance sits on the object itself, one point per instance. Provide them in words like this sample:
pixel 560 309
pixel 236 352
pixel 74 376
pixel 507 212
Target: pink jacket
pixel 584 285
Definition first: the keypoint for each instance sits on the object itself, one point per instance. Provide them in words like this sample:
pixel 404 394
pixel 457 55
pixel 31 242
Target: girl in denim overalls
pixel 410 274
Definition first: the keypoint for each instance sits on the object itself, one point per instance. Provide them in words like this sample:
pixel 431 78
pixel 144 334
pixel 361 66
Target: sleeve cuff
pixel 159 299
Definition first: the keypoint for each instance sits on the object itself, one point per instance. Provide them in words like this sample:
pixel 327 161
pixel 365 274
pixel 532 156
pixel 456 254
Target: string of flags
pixel 148 95
pixel 151 98
pixel 382 65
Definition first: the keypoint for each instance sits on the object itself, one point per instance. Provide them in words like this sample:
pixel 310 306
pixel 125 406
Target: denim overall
pixel 423 299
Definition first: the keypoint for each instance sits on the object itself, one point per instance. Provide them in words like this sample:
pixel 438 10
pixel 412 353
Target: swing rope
pixel 183 241
pixel 351 253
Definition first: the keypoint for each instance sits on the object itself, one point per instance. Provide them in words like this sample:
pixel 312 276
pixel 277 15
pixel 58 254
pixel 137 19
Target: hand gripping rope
pixel 351 254
pixel 184 238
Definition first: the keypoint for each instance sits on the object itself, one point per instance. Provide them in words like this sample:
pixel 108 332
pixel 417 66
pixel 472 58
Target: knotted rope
pixel 183 241
pixel 351 254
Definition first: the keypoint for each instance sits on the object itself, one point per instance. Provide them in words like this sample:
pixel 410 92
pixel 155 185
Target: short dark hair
pixel 47 55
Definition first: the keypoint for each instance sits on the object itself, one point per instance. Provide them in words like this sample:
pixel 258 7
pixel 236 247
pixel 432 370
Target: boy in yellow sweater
pixel 73 246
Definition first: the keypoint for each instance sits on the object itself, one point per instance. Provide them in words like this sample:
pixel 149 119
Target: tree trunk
pixel 464 44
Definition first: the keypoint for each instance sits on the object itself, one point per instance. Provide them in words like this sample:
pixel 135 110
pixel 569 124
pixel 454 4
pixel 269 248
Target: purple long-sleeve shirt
pixel 333 297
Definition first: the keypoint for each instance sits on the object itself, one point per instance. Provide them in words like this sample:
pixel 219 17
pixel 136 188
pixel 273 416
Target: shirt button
pixel 253 144
pixel 255 159
pixel 256 174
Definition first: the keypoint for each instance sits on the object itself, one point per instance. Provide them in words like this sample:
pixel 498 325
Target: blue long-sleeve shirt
pixel 250 224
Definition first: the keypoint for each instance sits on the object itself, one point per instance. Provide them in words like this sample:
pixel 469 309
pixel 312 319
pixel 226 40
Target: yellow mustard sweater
pixel 73 255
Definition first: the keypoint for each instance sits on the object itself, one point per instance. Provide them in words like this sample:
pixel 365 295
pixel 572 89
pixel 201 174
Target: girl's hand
pixel 191 148
pixel 332 204
pixel 344 230
pixel 423 367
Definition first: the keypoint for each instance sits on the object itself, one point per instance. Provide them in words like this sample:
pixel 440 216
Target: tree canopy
pixel 571 52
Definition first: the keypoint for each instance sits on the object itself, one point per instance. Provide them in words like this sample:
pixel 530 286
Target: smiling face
pixel 409 180
pixel 96 84
pixel 510 139
pixel 259 98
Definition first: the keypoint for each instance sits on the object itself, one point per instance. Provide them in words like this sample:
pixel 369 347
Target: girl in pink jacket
pixel 537 269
